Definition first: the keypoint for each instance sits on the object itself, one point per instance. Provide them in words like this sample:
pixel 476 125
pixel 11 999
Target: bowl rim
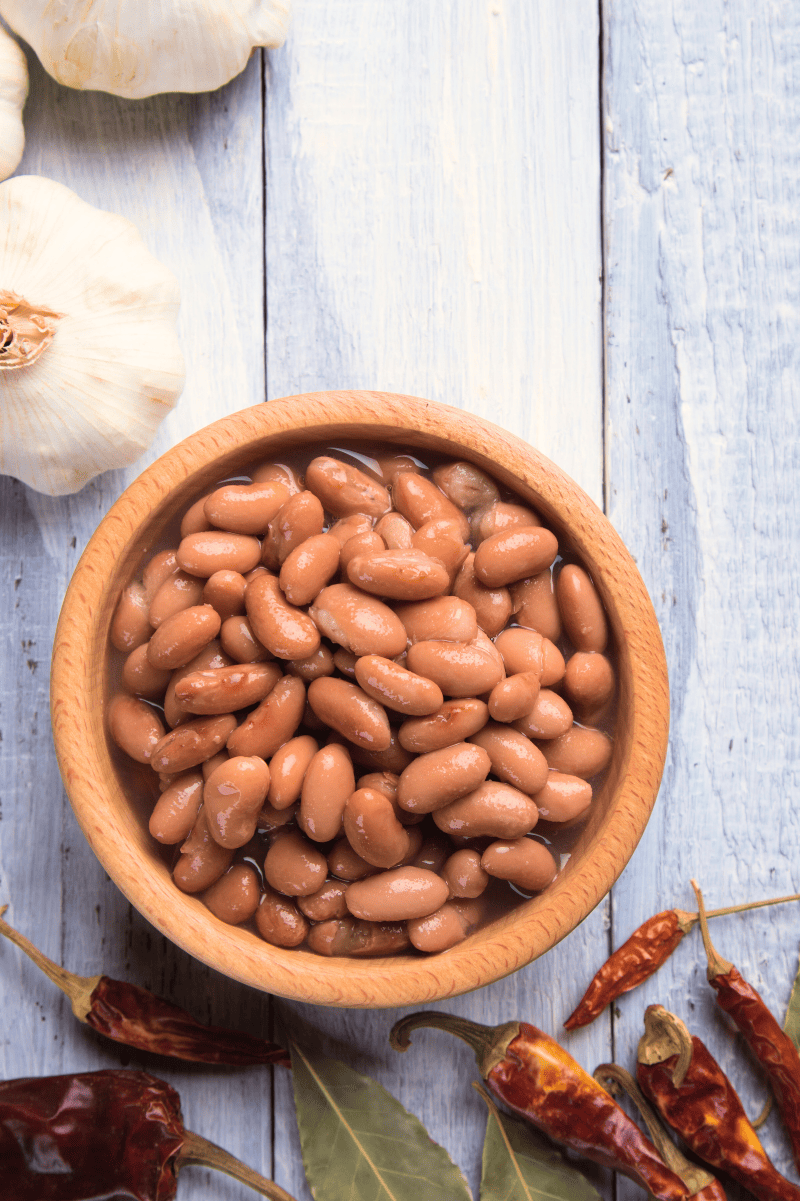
pixel 115 835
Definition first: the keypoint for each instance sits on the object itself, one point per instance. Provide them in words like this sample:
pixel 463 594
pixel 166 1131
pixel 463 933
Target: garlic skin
pixel 137 48
pixel 89 356
pixel 13 94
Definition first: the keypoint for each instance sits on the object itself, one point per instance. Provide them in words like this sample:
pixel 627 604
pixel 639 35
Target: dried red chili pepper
pixel 642 955
pixel 694 1096
pixel 771 1046
pixel 103 1134
pixel 530 1073
pixel 132 1015
pixel 700 1184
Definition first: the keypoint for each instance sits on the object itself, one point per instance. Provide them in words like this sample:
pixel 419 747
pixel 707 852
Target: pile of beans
pixel 356 718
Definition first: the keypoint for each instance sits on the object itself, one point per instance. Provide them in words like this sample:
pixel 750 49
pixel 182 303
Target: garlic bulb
pixel 13 94
pixel 89 356
pixel 137 48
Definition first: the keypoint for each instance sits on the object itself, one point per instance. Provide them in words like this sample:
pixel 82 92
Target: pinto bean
pixel 442 540
pixel 280 473
pixel 307 569
pixel 287 768
pixel 514 758
pixel 141 678
pixel 443 619
pixel 464 875
pixel 246 508
pixel 492 605
pixel 158 569
pixel 239 641
pixel 234 897
pixel 524 861
pixel 216 550
pixel 273 722
pixel 360 623
pixel 135 727
pixel 439 931
pixel 455 721
pixel 176 810
pixel 563 798
pixel 535 605
pixel 271 819
pixel 345 662
pixel 344 490
pixel 588 679
pixel 226 689
pixel 395 531
pixel 192 743
pixel 501 517
pixel 328 782
pixel 347 864
pixel 178 592
pixel 279 921
pixel 294 866
pixel 130 625
pixel 286 631
pixel 301 517
pixel 434 780
pixel 232 799
pixel 202 859
pixel 549 717
pixel 396 895
pixel 466 486
pixel 194 519
pixel 396 687
pixel 496 810
pixel 210 656
pixel 581 609
pixel 224 591
pixel 390 466
pixel 527 650
pixel 321 663
pixel 435 849
pixel 394 758
pixel 358 940
pixel 514 697
pixel 209 765
pixel 459 668
pixel 180 637
pixel 350 527
pixel 360 544
pixel 346 708
pixel 580 751
pixel 372 829
pixel 327 903
pixel 404 575
pixel 514 554
pixel 419 500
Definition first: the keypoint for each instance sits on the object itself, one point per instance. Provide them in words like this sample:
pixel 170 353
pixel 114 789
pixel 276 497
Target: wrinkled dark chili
pixel 132 1015
pixel 678 1074
pixel 771 1046
pixel 536 1078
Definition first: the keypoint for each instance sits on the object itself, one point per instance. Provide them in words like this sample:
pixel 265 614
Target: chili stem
pixel 742 908
pixel 488 1042
pixel 717 966
pixel 198 1150
pixel 79 989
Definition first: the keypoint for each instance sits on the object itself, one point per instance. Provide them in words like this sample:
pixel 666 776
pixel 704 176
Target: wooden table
pixel 584 231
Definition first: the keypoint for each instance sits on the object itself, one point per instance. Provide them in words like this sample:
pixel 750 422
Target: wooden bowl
pixel 104 796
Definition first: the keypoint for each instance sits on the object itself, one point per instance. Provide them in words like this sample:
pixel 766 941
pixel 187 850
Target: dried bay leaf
pixel 518 1165
pixel 360 1144
pixel 792 1023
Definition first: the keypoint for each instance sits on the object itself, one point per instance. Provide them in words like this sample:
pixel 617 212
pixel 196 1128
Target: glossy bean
pixel 347 864
pixel 419 500
pixel 514 555
pixel 328 781
pixel 464 875
pixel 390 466
pixel 360 623
pixel 286 631
pixel 158 569
pixel 176 810
pixel 466 486
pixel 279 921
pixel 135 727
pixel 346 708
pixel 202 860
pixel 327 903
pixel 226 689
pixel 224 591
pixel 434 780
pixel 514 758
pixel 245 508
pixel 178 592
pixel 239 641
pixel 274 722
pixel 321 663
pixel 235 896
pixel 194 520
pixel 280 473
pixel 563 798
pixel 141 678
pixel 514 696
pixel 443 619
pixel 442 540
pixel 130 625
pixel 492 605
pixel 455 721
pixel 580 751
pixel 209 765
pixel 287 769
pixel 500 517
pixel 232 798
pixel 494 810
pixel 396 895
pixel 439 931
pixel 294 866
pixel 588 679
pixel 435 849
pixel 358 940
pixel 271 819
pixel 350 527
pixel 216 550
pixel 403 575
pixel 581 609
pixel 308 568
pixel 550 717
pixel 345 663
pixel 192 743
pixel 535 605
pixel 522 861
pixel 360 544
pixel 527 650
pixel 210 656
pixel 394 758
pixel 301 517
pixel 459 668
pixel 395 531
pixel 396 687
pixel 343 489
pixel 180 637
pixel 372 829
pixel 383 781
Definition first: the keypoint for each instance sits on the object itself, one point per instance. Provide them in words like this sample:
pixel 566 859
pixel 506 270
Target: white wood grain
pixel 702 173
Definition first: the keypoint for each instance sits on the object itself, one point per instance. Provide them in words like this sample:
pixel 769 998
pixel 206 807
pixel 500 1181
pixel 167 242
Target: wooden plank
pixel 433 228
pixel 702 168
